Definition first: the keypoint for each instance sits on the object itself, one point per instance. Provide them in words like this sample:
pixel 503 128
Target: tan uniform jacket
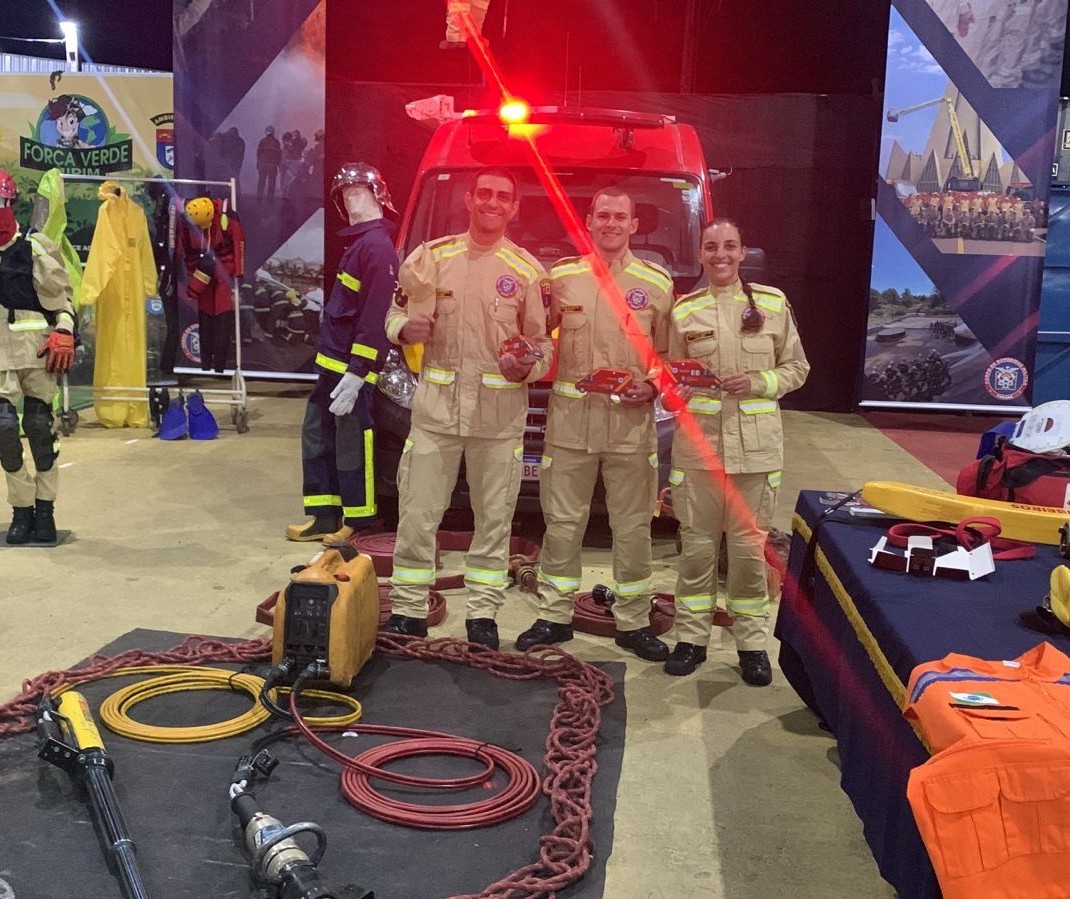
pixel 744 435
pixel 482 295
pixel 591 335
pixel 21 340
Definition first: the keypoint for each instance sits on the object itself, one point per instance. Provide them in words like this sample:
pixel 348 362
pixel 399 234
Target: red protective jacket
pixel 214 259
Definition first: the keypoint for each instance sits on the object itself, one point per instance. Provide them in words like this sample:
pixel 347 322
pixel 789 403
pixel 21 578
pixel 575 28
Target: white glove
pixel 345 394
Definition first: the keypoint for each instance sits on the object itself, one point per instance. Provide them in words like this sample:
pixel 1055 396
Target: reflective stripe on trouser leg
pixel 22 487
pixel 318 434
pixel 426 476
pixel 747 526
pixel 493 468
pixel 698 501
pixel 631 481
pixel 566 483
pixel 354 453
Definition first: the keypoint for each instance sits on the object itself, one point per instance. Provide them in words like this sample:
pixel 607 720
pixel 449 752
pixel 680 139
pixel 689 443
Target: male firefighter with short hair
pixel 36 345
pixel 480 290
pixel 620 324
pixel 337 442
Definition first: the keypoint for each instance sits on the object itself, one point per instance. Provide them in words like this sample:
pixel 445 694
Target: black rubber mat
pixel 174 797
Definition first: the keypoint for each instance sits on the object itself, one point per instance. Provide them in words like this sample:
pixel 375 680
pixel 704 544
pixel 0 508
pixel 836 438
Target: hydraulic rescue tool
pixel 280 867
pixel 604 380
pixel 1018 521
pixel 329 612
pixel 70 740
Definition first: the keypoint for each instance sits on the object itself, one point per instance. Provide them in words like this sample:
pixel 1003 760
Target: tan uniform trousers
pixel 740 506
pixel 22 487
pixel 455 9
pixel 566 485
pixel 426 477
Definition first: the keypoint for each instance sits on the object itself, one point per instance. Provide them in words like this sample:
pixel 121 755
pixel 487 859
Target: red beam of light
pixel 686 422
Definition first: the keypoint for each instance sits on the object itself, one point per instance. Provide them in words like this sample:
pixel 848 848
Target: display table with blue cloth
pixel 850 636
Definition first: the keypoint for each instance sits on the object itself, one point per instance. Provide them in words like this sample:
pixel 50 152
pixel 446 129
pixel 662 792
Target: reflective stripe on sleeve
pixel 440 376
pixel 349 281
pixel 498 382
pixel 756 407
pixel 769 378
pixel 567 388
pixel 364 351
pixel 704 405
pixel 335 365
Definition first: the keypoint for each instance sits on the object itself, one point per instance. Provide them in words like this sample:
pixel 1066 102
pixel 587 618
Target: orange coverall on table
pixel 993 804
pixel 465 407
pixel 585 432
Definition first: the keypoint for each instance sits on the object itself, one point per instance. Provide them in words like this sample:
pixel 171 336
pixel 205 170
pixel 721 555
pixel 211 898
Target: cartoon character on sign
pixel 75 122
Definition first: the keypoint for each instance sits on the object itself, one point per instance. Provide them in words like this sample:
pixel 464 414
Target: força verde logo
pixel 73 134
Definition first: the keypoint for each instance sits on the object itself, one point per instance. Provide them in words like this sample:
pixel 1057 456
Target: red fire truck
pixel 656 159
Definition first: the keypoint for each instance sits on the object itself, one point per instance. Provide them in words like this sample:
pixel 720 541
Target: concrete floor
pixel 726 790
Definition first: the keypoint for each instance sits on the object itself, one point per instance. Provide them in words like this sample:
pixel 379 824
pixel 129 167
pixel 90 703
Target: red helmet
pixel 8 190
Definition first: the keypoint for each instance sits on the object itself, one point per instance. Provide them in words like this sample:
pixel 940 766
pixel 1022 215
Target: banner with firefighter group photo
pixel 971 99
pixel 249 105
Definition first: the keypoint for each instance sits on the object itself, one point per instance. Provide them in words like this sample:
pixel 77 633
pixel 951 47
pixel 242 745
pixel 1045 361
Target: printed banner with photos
pixel 971 100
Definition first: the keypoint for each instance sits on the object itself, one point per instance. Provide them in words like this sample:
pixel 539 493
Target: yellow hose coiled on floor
pixel 115 710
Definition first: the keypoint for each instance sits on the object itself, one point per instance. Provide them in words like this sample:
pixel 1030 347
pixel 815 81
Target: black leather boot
pixel 44 522
pixel 21 530
pixel 406 625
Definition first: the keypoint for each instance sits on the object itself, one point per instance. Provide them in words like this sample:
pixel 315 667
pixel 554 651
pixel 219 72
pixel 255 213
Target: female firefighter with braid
pixel 726 471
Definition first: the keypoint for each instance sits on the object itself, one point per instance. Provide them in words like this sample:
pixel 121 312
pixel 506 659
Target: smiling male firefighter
pixel 622 325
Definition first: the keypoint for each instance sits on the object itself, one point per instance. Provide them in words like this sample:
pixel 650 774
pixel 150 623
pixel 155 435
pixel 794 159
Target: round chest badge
pixel 1006 378
pixel 637 298
pixel 507 286
pixel 191 343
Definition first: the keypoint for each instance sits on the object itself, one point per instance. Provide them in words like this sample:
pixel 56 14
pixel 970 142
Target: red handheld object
pixel 691 373
pixel 604 380
pixel 521 347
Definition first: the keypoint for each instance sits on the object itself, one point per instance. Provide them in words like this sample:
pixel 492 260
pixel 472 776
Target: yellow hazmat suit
pixel 119 275
pixel 55 228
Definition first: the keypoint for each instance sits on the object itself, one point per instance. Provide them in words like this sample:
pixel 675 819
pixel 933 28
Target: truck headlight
pixel 396 381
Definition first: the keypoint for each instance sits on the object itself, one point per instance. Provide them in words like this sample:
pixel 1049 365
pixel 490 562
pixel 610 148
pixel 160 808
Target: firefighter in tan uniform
pixel 36 345
pixel 726 480
pixel 622 325
pixel 472 400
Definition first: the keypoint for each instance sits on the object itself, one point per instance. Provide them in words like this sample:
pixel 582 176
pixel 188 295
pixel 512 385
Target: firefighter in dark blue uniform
pixel 337 436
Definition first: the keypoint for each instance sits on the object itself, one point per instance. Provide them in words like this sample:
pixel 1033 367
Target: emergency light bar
pixel 551 115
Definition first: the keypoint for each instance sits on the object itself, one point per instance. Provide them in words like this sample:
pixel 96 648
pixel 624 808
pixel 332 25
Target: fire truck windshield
pixel 668 206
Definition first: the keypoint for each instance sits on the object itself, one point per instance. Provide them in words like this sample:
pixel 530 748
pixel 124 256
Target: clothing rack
pixel 236 397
